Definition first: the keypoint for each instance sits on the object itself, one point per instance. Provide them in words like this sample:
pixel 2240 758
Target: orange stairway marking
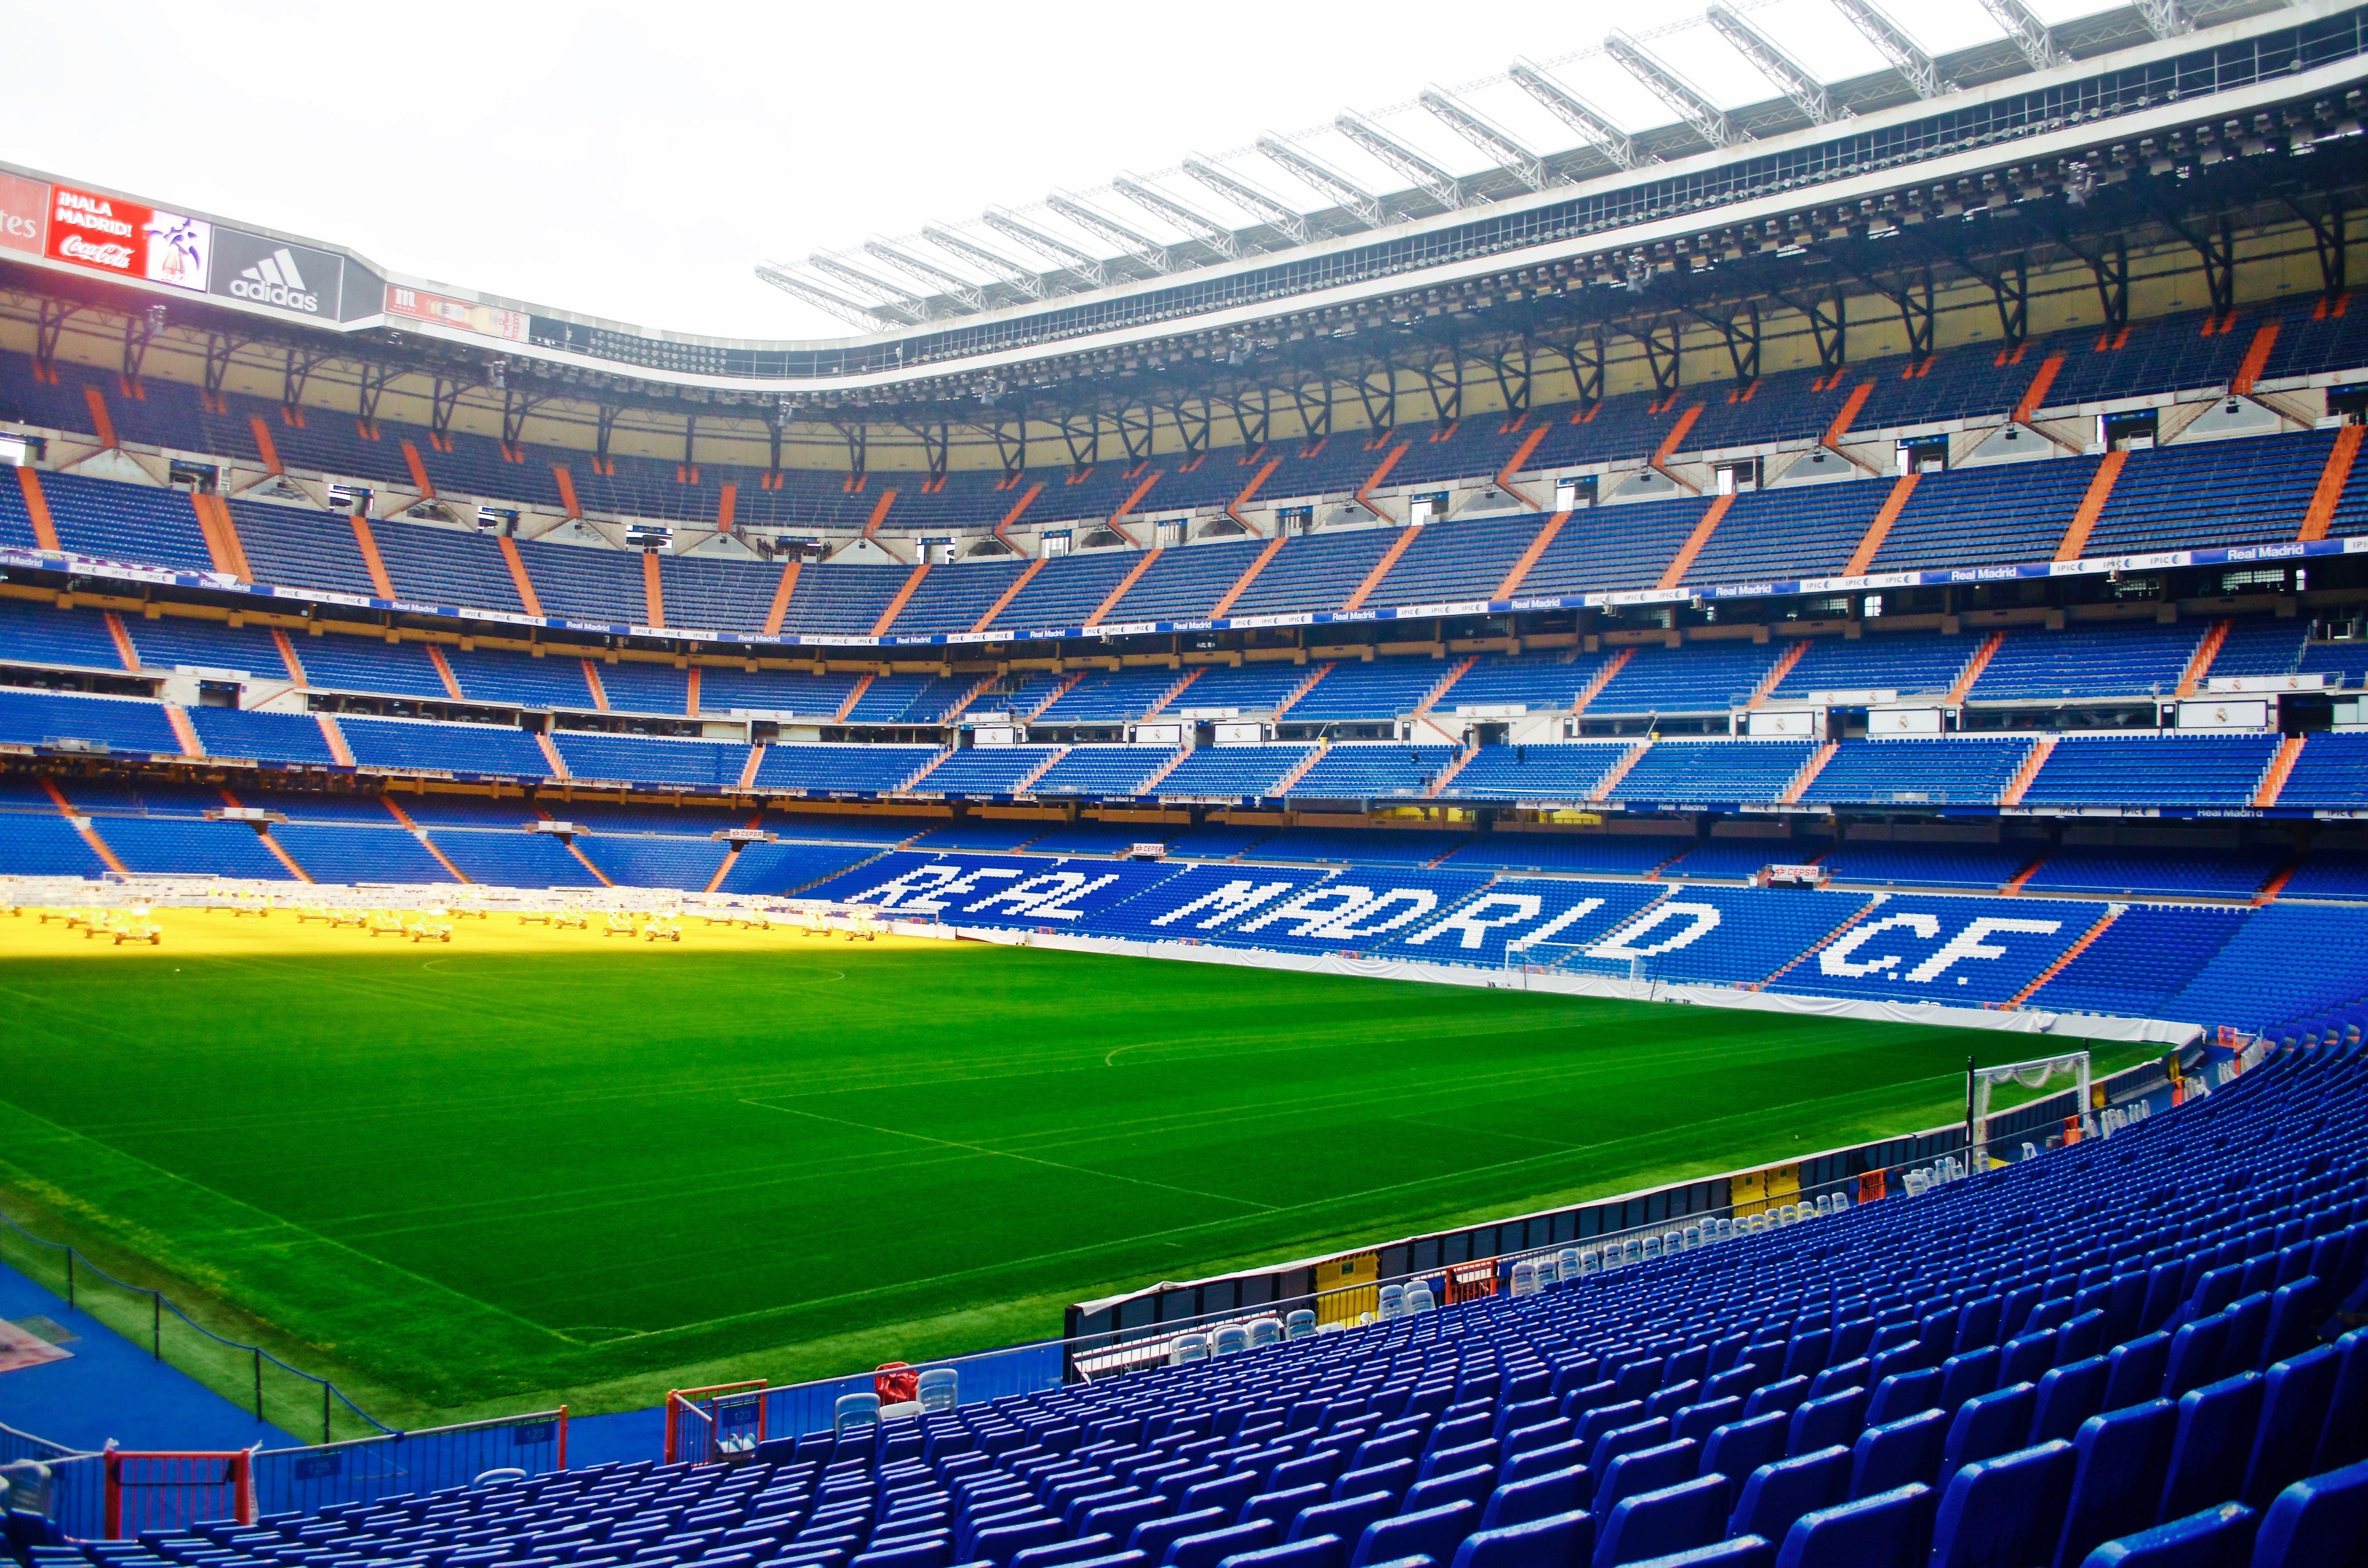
pixel 1610 781
pixel 2024 777
pixel 101 424
pixel 1431 698
pixel 1530 444
pixel 593 684
pixel 528 598
pixel 1776 674
pixel 1808 774
pixel 2274 777
pixel 1134 575
pixel 219 550
pixel 1134 497
pixel 89 834
pixel 227 529
pixel 2277 883
pixel 1848 414
pixel 123 648
pixel 926 769
pixel 185 731
pixel 335 734
pixel 1249 574
pixel 444 673
pixel 1454 766
pixel 573 848
pixel 1028 780
pixel 780 606
pixel 1677 433
pixel 1389 462
pixel 367 542
pixel 723 868
pixel 1302 689
pixel 418 470
pixel 879 513
pixel 1372 579
pixel 265 447
pixel 1010 592
pixel 279 853
pixel 1038 489
pixel 748 769
pixel 1602 679
pixel 853 697
pixel 2014 883
pixel 2092 507
pixel 567 483
pixel 727 507
pixel 1531 556
pixel 288 656
pixel 1975 665
pixel 1880 530
pixel 1173 692
pixel 1282 786
pixel 2028 405
pixel 903 597
pixel 37 508
pixel 2199 663
pixel 1708 526
pixel 653 592
pixel 2257 357
pixel 2331 480
pixel 691 692
pixel 550 758
pixel 2113 913
pixel 1233 506
pixel 1061 688
pixel 1159 774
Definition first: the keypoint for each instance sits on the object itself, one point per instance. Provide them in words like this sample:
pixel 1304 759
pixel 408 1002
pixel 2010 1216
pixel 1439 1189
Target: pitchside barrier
pixel 1122 1334
pixel 296 1402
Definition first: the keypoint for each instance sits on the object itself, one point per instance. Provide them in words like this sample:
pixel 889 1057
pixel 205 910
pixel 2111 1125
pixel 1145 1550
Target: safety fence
pixel 1141 1329
pixel 296 1402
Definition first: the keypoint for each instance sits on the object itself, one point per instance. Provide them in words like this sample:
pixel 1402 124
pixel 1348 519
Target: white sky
pixel 635 160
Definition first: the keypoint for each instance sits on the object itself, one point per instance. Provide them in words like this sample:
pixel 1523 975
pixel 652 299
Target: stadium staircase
pixel 1775 675
pixel 1808 774
pixel 1133 575
pixel 2198 665
pixel 1454 766
pixel 2113 913
pixel 1975 665
pixel 1173 692
pixel 2025 775
pixel 1028 780
pixel 1301 689
pixel 2281 768
pixel 1602 678
pixel 1446 683
pixel 1610 781
pixel 1531 553
pixel 1282 786
pixel 1150 785
pixel 913 782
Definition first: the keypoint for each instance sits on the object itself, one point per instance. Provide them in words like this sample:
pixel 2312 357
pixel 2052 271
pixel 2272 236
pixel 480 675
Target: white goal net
pixel 2010 1086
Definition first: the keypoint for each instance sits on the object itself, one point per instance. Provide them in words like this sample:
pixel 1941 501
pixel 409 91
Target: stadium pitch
pixel 535 1166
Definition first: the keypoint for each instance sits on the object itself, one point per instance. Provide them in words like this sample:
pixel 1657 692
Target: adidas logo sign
pixel 274 280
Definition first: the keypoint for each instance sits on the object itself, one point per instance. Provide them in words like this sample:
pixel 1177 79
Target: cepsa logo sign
pixel 24 214
pixel 108 234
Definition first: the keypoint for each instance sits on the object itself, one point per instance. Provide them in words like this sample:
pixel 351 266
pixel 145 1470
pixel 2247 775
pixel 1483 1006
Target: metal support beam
pixel 1008 271
pixel 1426 176
pixel 1661 355
pixel 1709 121
pixel 1512 367
pixel 220 348
pixel 52 326
pixel 1320 176
pixel 1207 230
pixel 1250 198
pixel 605 429
pixel 954 288
pixel 1057 252
pixel 445 396
pixel 139 330
pixel 1514 158
pixel 1769 58
pixel 857 437
pixel 2011 288
pixel 2164 19
pixel 1142 247
pixel 869 318
pixel 934 441
pixel 1914 299
pixel 1578 113
pixel 1891 41
pixel 893 296
pixel 2029 34
pixel 369 389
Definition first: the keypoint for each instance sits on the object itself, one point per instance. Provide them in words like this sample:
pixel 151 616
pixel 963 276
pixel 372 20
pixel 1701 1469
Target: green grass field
pixel 481 1177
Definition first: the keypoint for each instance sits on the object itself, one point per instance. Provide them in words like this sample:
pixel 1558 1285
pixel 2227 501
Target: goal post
pixel 2044 1076
pixel 164 1490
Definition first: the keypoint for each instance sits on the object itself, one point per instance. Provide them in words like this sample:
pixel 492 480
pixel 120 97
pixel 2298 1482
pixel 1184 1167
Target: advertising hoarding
pixel 489 321
pixel 24 214
pixel 124 239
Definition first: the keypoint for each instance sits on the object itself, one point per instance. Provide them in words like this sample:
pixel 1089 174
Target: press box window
pixel 1429 509
pixel 20 451
pixel 494 521
pixel 1735 476
pixel 639 536
pixel 1924 455
pixel 203 478
pixel 1297 519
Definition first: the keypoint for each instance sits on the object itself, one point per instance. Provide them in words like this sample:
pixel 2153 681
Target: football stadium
pixel 1201 893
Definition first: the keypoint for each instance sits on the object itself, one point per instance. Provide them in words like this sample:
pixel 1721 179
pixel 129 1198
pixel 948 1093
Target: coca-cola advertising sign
pixel 124 239
pixel 24 213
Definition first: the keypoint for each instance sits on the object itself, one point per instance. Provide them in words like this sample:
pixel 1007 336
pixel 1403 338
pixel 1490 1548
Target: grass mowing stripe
pixel 529 1172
